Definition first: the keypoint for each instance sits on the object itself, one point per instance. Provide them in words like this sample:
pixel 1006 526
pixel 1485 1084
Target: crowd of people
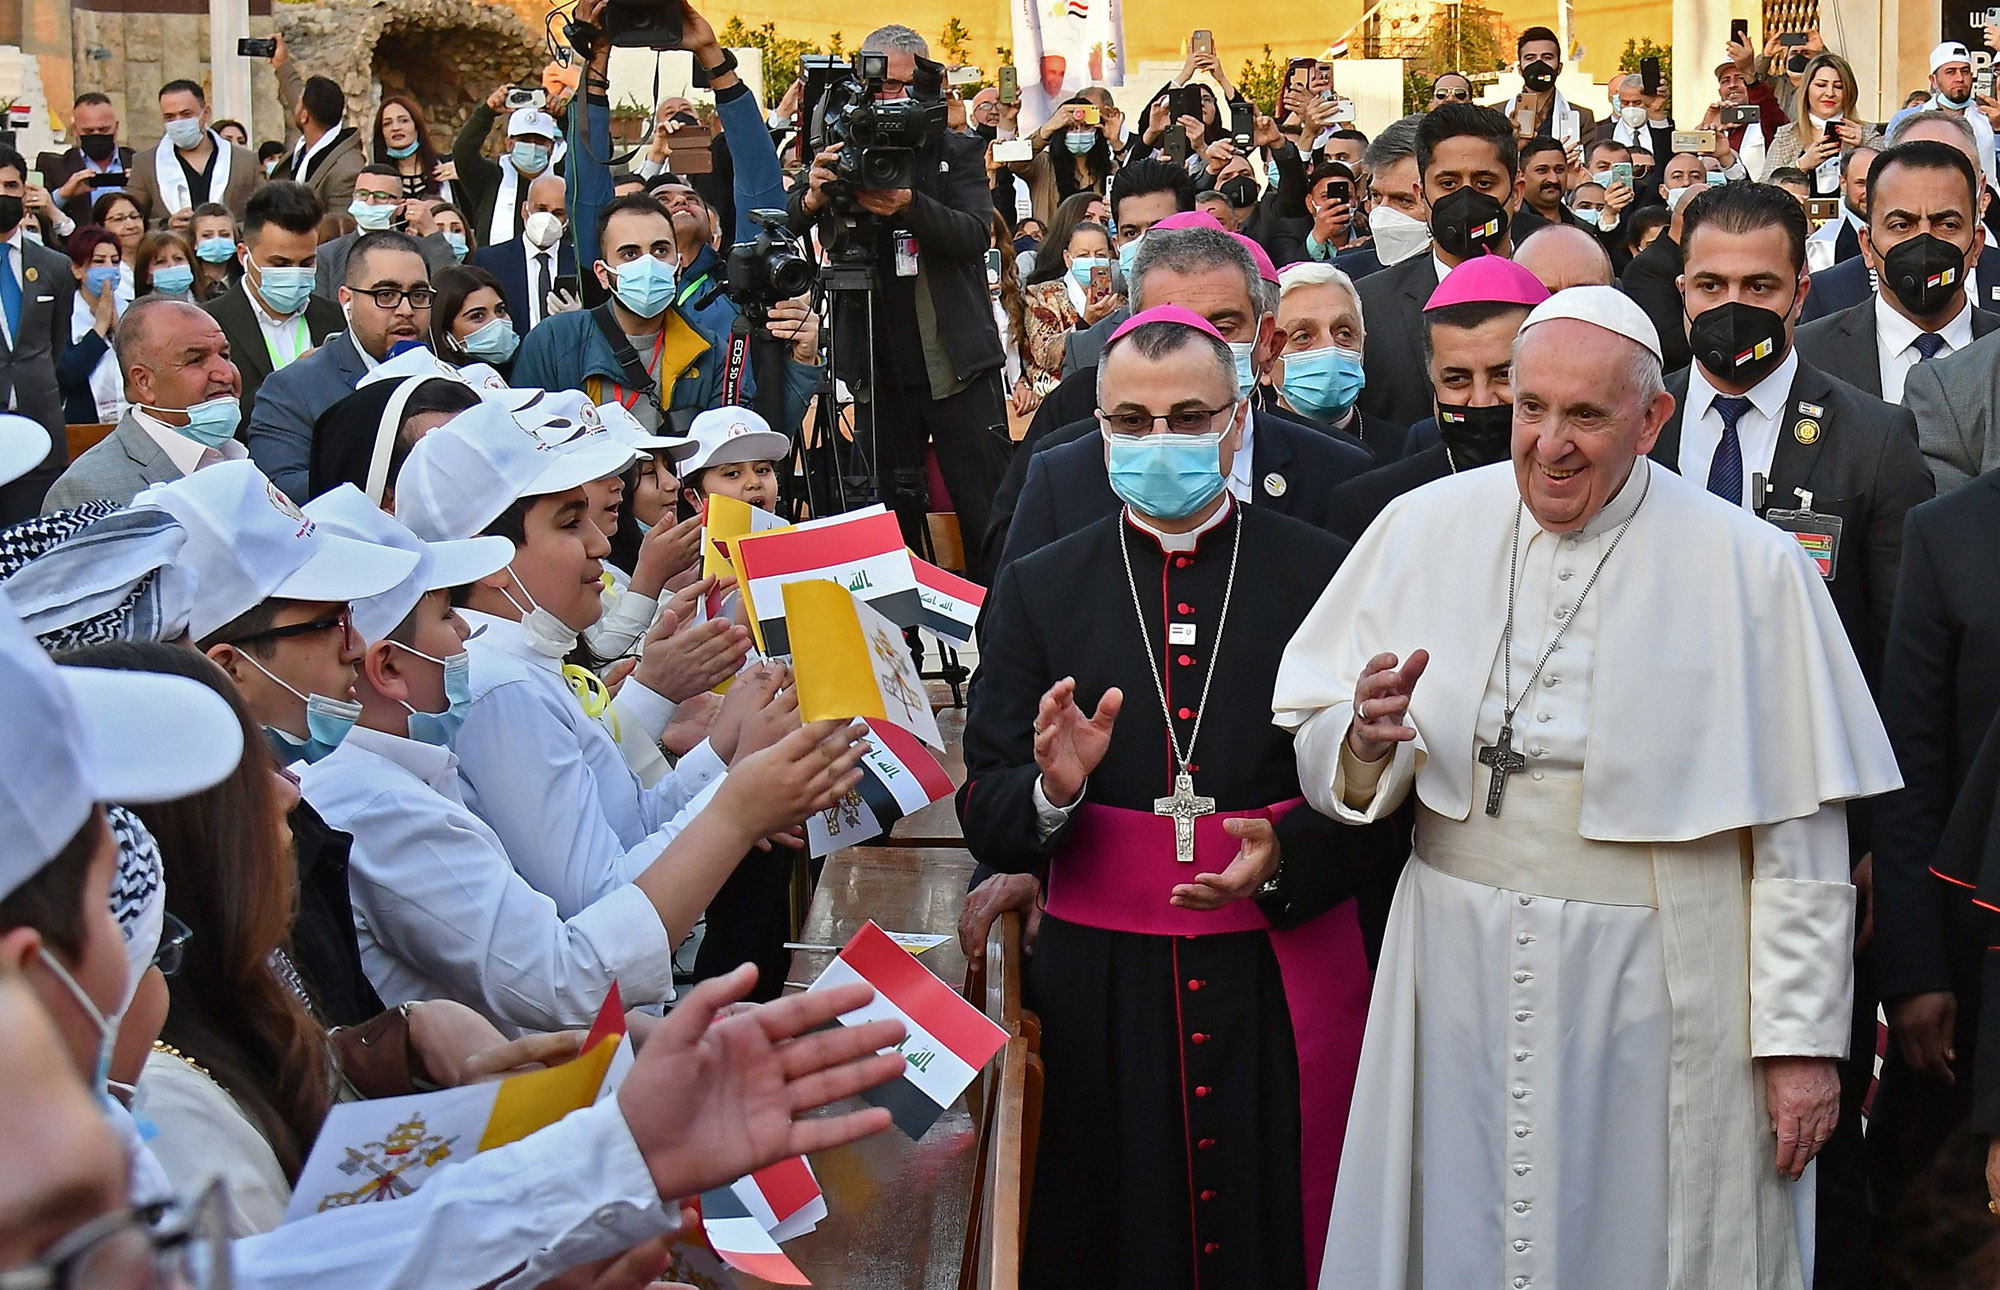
pixel 1485 910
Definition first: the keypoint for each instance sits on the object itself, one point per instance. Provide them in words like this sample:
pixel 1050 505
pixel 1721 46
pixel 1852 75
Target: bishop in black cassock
pixel 1176 1148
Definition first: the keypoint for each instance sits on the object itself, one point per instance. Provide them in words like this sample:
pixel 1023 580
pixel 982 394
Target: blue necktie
pixel 10 294
pixel 1928 345
pixel 1725 470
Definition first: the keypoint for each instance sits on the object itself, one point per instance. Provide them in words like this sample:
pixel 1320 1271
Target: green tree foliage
pixel 1467 38
pixel 954 47
pixel 781 53
pixel 1638 49
pixel 1417 91
pixel 1260 81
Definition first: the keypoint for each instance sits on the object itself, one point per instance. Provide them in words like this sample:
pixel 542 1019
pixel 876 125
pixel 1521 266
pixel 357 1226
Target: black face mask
pixel 1538 76
pixel 98 147
pixel 1796 64
pixel 1476 436
pixel 987 132
pixel 1239 192
pixel 11 211
pixel 1925 272
pixel 1741 343
pixel 1467 222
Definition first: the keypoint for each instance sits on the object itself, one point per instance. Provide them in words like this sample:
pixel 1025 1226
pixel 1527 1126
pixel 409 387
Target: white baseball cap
pixel 532 120
pixel 1949 52
pixel 460 476
pixel 24 445
pixel 726 434
pixel 622 425
pixel 1605 307
pixel 347 512
pixel 77 736
pixel 417 360
pixel 248 543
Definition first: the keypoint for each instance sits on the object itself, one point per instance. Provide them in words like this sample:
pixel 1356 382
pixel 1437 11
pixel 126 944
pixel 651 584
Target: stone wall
pixel 446 54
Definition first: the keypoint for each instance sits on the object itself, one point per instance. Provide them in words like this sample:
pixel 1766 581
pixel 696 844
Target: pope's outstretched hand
pixel 1381 700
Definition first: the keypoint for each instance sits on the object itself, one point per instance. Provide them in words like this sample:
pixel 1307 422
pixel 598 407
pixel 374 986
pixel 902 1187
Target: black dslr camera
pixel 882 137
pixel 767 269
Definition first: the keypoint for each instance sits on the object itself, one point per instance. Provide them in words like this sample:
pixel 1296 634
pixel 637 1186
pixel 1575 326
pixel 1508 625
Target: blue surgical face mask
pixel 173 280
pixel 1166 476
pixel 100 278
pixel 439 727
pixel 530 158
pixel 1125 254
pixel 284 287
pixel 1080 268
pixel 493 341
pixel 211 423
pixel 645 285
pixel 1079 141
pixel 1323 383
pixel 107 1029
pixel 370 217
pixel 1246 376
pixel 1271 173
pixel 327 723
pixel 216 250
pixel 457 243
pixel 1589 219
pixel 407 150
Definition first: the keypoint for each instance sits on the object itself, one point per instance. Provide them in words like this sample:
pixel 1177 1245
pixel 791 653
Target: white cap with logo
pixel 248 543
pixel 347 512
pixel 23 446
pixel 78 736
pixel 532 120
pixel 728 434
pixel 459 477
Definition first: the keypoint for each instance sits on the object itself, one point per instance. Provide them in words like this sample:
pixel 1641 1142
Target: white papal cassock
pixel 1557 1089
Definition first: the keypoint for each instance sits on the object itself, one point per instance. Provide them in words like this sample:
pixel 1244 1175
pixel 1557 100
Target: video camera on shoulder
pixel 882 137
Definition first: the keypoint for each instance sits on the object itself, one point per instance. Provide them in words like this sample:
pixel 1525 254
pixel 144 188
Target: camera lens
pixel 791 275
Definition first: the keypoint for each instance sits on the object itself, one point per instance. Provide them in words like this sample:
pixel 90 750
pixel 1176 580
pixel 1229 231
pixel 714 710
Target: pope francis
pixel 1617 971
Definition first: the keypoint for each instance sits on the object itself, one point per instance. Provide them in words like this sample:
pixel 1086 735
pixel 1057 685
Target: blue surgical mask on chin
pixel 439 727
pixel 107 1028
pixel 407 150
pixel 1323 383
pixel 1166 476
pixel 645 285
pixel 327 723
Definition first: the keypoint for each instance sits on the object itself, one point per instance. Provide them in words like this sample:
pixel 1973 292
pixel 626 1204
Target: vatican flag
pixel 850 661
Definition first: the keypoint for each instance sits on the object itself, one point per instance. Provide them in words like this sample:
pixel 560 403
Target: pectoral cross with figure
pixel 1500 755
pixel 1184 808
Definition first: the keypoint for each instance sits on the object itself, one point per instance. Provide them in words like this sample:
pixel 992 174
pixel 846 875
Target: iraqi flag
pixel 863 552
pixel 946 604
pixel 949 1040
pixel 898 776
pixel 735 1233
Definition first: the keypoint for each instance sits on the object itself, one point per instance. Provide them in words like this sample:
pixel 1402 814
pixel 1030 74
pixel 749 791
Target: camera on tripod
pixel 767 269
pixel 881 136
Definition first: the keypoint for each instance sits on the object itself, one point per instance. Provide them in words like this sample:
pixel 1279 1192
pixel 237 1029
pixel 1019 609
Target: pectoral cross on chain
pixel 1185 808
pixel 1500 755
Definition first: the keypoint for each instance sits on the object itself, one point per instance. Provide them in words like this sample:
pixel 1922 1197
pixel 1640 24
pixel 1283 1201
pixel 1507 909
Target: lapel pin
pixel 1811 409
pixel 1806 432
pixel 31 273
pixel 1274 484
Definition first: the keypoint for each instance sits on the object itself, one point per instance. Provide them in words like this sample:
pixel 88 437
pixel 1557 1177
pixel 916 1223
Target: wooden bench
pixel 82 438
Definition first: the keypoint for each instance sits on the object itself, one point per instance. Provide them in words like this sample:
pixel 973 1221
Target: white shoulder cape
pixel 1724 693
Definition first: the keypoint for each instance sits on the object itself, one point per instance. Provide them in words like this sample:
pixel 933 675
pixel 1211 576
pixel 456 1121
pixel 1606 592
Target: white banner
pixel 1060 46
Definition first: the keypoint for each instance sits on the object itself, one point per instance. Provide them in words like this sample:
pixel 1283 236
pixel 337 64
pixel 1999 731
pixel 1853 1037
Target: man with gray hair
pixel 1321 335
pixel 931 369
pixel 1287 464
pixel 1197 1057
pixel 181 393
pixel 1398 217
pixel 1852 281
pixel 1620 956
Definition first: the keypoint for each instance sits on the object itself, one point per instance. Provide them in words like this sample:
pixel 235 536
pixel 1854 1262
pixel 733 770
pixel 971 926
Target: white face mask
pixel 547 634
pixel 1397 236
pixel 1634 116
pixel 542 229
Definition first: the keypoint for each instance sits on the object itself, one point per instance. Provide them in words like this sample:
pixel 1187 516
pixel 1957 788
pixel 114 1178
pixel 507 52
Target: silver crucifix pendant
pixel 1184 808
pixel 1500 755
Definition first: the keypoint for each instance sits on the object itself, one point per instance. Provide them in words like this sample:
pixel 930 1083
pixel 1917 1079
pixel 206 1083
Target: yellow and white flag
pixel 850 661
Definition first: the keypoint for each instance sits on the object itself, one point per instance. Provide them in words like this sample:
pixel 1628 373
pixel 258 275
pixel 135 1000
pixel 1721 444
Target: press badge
pixel 906 254
pixel 1818 535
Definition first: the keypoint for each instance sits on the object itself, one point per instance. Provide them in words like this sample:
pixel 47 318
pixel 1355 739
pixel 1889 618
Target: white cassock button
pixel 1536 775
pixel 1544 716
pixel 1521 1056
pixel 1520 1247
pixel 1538 751
pixel 1523 1016
pixel 1520 1171
pixel 1523 939
pixel 1555 680
pixel 1566 574
pixel 1522 978
pixel 1520 1093
pixel 1527 900
pixel 1521 1132
pixel 1562 612
pixel 1520 1283
pixel 1520 1207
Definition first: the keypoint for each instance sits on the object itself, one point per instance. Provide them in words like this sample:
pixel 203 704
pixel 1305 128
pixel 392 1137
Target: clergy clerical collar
pixel 1171 543
pixel 1622 504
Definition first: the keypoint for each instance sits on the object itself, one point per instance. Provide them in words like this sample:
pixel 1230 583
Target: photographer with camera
pixel 924 232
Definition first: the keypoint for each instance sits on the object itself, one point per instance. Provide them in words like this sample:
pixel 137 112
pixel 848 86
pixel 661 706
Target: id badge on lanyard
pixel 906 253
pixel 1817 535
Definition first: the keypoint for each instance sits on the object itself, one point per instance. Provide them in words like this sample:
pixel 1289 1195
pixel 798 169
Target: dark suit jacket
pixel 1356 503
pixel 509 263
pixel 1861 464
pixel 1847 284
pixel 237 317
pixel 1392 303
pixel 78 207
pixel 1940 695
pixel 1358 262
pixel 1649 280
pixel 28 361
pixel 1845 343
pixel 279 434
pixel 1293 470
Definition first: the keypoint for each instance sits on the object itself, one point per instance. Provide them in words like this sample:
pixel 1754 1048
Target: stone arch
pixel 446 54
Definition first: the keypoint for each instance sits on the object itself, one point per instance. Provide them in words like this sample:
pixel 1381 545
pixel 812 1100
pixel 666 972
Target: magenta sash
pixel 1117 870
